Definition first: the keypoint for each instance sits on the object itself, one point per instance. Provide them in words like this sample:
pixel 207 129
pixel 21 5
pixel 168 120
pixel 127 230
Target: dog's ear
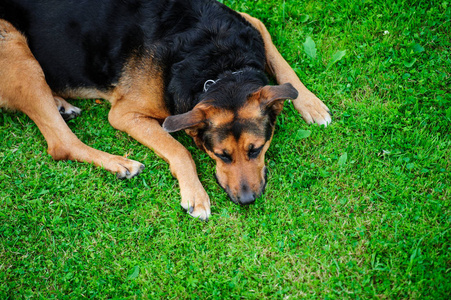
pixel 272 97
pixel 183 121
pixel 189 120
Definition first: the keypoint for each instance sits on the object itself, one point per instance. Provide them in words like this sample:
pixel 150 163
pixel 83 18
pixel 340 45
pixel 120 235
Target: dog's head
pixel 234 125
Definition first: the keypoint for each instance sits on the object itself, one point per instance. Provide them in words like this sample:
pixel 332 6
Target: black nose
pixel 246 196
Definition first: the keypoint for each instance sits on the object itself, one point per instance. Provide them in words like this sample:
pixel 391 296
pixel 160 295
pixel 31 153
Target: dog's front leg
pixel 307 104
pixel 148 132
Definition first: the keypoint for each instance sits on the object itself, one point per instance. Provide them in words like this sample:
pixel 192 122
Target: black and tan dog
pixel 165 66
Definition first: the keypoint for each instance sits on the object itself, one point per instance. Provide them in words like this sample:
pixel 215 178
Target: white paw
pixel 313 110
pixel 126 168
pixel 196 202
pixel 67 110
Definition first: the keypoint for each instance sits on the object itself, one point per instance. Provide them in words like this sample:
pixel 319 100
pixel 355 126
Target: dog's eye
pixel 254 152
pixel 224 157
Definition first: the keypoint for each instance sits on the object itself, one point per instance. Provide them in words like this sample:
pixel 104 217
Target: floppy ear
pixel 273 96
pixel 184 121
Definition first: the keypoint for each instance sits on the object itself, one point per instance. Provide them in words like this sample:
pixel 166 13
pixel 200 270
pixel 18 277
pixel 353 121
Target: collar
pixel 211 82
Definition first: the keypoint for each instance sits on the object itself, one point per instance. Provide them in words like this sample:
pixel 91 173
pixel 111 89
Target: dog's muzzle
pixel 246 195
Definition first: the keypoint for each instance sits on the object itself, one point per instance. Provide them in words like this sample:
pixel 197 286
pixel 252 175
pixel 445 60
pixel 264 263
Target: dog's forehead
pixel 220 117
pixel 251 110
pixel 245 126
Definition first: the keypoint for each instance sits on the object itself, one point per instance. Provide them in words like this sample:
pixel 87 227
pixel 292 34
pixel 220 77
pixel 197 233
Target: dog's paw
pixel 196 202
pixel 126 168
pixel 69 113
pixel 313 110
pixel 67 110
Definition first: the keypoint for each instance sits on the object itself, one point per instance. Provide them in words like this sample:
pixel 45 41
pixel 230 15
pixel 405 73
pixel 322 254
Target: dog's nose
pixel 247 196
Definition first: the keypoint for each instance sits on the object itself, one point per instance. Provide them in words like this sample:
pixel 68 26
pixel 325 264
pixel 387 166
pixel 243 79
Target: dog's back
pixel 80 43
pixel 85 44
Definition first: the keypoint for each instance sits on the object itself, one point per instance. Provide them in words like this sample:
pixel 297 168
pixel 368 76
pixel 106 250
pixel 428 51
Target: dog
pixel 165 66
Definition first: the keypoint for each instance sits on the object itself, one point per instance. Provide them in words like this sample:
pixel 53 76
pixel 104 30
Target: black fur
pixel 232 89
pixel 85 43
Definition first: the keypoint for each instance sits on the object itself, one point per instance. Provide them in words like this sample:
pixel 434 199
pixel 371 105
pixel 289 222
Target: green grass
pixel 360 209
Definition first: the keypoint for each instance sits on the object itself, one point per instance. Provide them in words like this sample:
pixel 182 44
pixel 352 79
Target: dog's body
pixel 195 65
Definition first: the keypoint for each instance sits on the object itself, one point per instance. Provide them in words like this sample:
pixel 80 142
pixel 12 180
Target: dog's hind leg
pixel 23 87
pixel 67 110
pixel 307 104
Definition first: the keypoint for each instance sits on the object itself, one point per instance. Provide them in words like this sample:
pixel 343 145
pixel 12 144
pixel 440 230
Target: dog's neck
pixel 218 85
pixel 231 88
pixel 211 82
pixel 239 76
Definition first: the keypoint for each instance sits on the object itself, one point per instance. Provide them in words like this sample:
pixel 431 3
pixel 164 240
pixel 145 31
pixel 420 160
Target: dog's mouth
pixel 246 196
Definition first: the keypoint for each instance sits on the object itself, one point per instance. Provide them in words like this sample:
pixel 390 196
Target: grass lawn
pixel 360 209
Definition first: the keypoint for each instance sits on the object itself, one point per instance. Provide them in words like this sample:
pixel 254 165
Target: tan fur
pixel 242 170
